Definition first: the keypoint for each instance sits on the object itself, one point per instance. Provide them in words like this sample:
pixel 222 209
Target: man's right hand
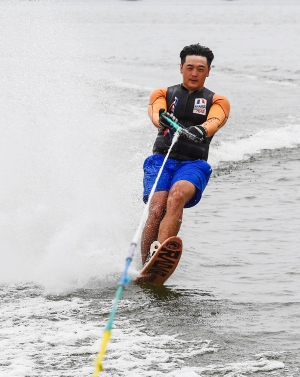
pixel 163 121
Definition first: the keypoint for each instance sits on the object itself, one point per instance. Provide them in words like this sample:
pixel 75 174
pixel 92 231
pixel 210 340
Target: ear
pixel 180 68
pixel 208 71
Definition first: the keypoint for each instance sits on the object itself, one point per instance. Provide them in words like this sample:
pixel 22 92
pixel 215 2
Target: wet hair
pixel 196 49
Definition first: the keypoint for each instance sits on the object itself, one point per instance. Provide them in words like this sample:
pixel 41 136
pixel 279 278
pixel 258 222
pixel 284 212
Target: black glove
pixel 163 121
pixel 198 131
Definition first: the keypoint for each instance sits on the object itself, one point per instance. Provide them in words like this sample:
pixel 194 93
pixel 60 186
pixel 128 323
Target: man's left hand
pixel 198 131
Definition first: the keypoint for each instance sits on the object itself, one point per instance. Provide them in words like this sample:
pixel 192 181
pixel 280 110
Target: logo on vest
pixel 172 106
pixel 200 106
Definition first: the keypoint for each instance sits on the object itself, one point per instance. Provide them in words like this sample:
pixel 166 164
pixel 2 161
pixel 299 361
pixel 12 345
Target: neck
pixel 192 90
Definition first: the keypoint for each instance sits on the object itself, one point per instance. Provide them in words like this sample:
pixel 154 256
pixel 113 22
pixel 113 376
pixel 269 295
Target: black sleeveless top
pixel 190 109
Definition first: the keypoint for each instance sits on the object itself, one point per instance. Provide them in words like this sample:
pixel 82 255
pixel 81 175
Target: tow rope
pixel 125 279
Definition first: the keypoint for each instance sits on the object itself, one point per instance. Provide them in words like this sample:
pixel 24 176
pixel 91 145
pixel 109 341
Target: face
pixel 194 72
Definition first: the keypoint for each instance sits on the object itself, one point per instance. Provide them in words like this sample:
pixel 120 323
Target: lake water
pixel 75 81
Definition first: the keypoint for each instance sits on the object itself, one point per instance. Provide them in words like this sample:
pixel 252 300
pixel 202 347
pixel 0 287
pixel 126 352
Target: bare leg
pixel 179 195
pixel 157 210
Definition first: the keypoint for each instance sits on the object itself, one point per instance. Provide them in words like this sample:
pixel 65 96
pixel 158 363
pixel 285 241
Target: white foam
pixel 251 366
pixel 241 148
pixel 35 327
pixel 230 370
pixel 37 331
pixel 150 355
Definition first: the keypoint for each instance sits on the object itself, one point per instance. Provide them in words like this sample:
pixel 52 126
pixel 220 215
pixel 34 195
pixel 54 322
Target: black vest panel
pixel 190 109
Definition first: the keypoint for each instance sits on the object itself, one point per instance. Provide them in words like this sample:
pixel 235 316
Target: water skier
pixel 186 173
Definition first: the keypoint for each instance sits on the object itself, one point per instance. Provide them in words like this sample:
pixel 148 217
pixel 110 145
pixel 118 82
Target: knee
pixel 157 211
pixel 176 198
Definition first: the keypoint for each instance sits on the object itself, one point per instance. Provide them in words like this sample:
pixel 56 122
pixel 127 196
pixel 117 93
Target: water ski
pixel 163 263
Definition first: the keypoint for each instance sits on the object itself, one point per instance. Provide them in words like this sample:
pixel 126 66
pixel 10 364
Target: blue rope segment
pixel 125 279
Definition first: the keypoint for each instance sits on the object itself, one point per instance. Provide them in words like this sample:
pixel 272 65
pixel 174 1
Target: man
pixel 186 172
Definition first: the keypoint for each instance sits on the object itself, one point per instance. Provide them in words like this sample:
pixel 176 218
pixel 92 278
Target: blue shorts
pixel 197 172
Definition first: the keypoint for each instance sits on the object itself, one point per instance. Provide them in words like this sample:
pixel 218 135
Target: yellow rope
pixel 107 331
pixel 99 359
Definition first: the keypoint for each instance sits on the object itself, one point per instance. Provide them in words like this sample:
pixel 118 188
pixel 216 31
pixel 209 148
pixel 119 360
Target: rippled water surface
pixel 75 82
